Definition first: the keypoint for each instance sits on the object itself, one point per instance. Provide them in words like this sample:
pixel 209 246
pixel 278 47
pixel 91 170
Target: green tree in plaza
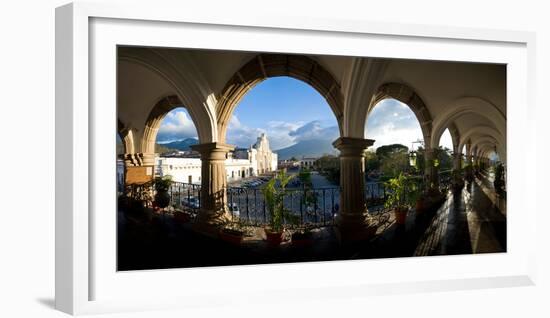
pixel 327 162
pixel 385 151
pixel 445 160
pixel 329 167
pixel 393 159
pixel 305 177
pixel 372 162
pixel 395 163
pixel 309 199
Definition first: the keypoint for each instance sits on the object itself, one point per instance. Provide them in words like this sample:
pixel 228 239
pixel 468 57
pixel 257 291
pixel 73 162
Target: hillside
pixel 184 144
pixel 307 148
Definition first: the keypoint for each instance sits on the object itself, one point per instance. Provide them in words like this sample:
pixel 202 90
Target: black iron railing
pixel 185 197
pixel 312 206
pixel 309 206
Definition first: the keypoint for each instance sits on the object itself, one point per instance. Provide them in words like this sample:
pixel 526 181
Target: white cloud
pixel 390 133
pixel 241 135
pixel 281 134
pixel 314 130
pixel 176 125
pixel 392 122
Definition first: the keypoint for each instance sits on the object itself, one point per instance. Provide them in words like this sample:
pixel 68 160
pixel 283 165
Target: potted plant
pixel 233 233
pixel 399 197
pixel 416 196
pixel 162 197
pixel 135 199
pixel 274 192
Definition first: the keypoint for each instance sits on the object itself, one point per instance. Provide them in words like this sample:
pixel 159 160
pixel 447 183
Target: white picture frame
pixel 83 30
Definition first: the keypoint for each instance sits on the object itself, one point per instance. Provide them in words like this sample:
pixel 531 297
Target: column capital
pixel 213 150
pixel 350 146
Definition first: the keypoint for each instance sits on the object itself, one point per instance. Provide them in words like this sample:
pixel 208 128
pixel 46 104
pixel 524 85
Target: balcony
pixel 164 238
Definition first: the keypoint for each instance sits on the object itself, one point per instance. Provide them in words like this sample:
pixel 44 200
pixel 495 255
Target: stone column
pixel 468 154
pixel 213 211
pixel 469 173
pixel 456 158
pixel 430 173
pixel 352 217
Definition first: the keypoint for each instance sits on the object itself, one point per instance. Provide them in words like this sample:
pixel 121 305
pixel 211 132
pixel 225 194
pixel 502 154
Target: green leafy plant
pixel 402 192
pixel 162 184
pixel 274 193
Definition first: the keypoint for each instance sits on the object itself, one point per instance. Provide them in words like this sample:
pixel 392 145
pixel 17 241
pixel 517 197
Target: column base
pixel 209 223
pixel 354 228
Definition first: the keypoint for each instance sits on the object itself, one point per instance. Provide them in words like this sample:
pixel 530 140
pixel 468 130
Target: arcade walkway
pixel 468 222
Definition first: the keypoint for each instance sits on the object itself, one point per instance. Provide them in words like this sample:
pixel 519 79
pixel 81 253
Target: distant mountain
pixel 184 144
pixel 307 148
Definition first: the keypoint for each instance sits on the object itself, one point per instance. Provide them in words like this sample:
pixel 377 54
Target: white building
pixel 307 162
pixel 240 163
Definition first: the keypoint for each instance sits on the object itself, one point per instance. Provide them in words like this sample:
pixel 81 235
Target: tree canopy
pixel 384 151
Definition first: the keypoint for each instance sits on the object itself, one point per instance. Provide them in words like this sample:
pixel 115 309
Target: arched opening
pixel 406 96
pixel 399 145
pixel 445 154
pixel 446 141
pixel 120 151
pixel 493 156
pixel 463 156
pixel 173 154
pixel 472 114
pixel 283 119
pixel 120 147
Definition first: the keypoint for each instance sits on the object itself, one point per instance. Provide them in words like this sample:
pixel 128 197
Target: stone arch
pixel 127 136
pixel 486 131
pixel 409 97
pixel 265 66
pixel 468 105
pixel 455 135
pixel 485 139
pixel 487 143
pixel 486 147
pixel 152 125
pixel 190 88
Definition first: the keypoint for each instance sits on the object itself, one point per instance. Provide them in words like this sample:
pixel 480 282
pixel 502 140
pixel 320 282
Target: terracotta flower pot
pixel 400 215
pixel 273 238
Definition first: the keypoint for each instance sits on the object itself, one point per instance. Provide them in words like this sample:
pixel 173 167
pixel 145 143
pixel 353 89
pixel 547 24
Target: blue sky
pixel 289 111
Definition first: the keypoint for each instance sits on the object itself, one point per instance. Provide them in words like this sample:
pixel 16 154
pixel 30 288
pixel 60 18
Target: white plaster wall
pixel 181 168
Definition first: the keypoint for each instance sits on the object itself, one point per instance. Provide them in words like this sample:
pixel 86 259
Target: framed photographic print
pixel 238 157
